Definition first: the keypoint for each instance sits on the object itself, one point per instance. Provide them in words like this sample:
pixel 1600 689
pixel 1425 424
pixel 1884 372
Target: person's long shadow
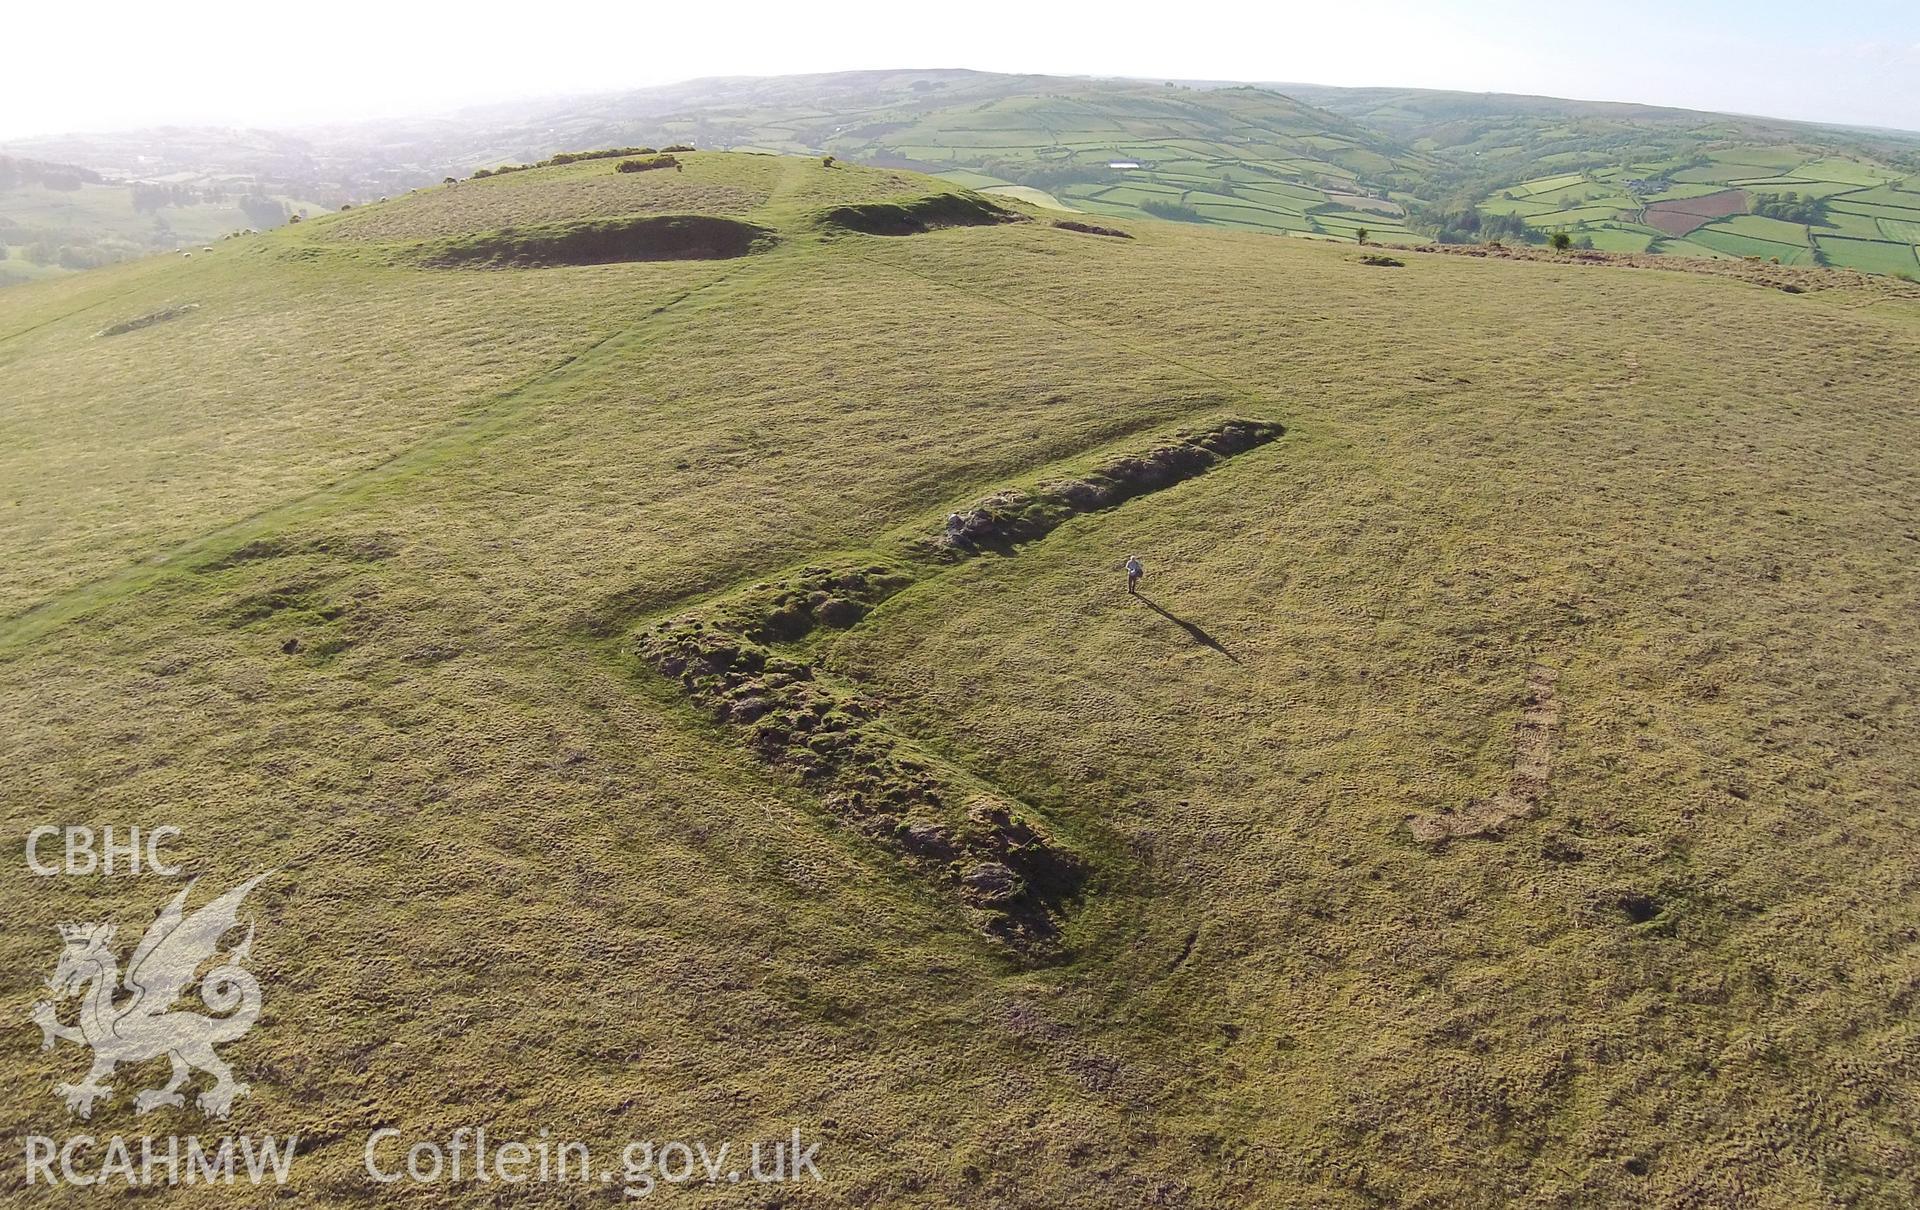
pixel 1193 630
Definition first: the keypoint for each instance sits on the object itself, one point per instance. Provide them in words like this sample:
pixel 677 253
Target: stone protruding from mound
pixel 1526 789
pixel 1013 515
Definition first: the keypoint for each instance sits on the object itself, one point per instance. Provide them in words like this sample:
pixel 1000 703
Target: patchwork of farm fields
pixel 1254 159
pixel 1234 157
pixel 1783 203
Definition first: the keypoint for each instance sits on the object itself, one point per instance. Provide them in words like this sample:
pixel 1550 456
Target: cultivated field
pixel 1742 200
pixel 1497 796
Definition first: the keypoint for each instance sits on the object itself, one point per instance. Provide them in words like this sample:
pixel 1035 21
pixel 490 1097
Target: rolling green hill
pixel 1405 165
pixel 1239 157
pixel 665 632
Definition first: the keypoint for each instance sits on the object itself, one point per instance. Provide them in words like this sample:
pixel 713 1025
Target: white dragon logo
pixel 143 1025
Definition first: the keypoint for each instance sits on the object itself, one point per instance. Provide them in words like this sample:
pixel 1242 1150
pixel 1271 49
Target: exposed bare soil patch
pixel 999 863
pixel 1682 215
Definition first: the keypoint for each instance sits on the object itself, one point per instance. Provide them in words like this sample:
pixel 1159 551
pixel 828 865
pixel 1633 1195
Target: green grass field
pixel 1859 226
pixel 1906 231
pixel 344 572
pixel 1667 246
pixel 1726 237
pixel 1620 239
pixel 1869 256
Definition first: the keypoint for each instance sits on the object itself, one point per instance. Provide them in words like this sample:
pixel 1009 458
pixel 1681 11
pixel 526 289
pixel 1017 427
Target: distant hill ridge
pixel 1384 164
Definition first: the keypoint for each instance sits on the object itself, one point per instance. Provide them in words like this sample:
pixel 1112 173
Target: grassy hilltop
pixel 1496 796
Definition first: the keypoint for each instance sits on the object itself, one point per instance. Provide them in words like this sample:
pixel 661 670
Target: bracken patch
pixel 147 320
pixel 919 215
pixel 1067 224
pixel 601 242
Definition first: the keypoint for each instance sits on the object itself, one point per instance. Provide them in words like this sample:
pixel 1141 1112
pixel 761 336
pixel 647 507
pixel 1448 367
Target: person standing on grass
pixel 1134 571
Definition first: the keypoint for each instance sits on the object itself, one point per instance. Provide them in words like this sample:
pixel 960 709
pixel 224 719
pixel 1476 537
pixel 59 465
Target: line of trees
pixel 1467 225
pixel 1178 211
pixel 1790 207
pixel 149 196
pixel 16 172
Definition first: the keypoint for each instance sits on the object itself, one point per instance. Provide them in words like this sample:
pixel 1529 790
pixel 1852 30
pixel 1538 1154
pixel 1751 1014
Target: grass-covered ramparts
pixel 1019 515
pixel 933 815
pixel 734 658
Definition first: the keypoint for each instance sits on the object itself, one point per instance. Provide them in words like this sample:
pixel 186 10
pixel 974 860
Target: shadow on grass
pixel 1193 629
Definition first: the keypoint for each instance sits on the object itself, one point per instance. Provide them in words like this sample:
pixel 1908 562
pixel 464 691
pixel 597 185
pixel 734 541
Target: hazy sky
pixel 115 65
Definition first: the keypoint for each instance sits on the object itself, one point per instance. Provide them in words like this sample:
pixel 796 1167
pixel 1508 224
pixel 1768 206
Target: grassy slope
pixel 1275 996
